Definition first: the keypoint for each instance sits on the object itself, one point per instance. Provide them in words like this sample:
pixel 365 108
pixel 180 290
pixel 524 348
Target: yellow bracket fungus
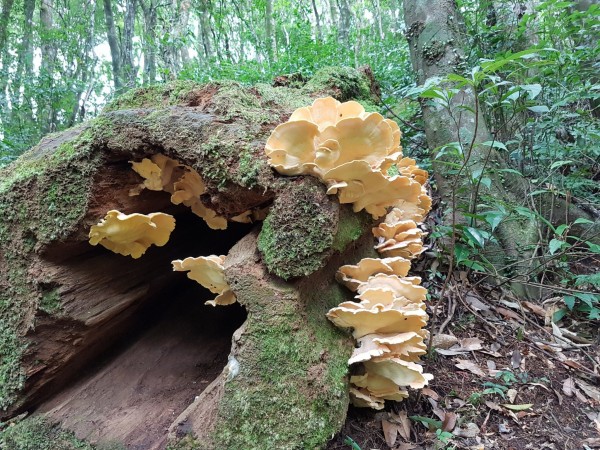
pixel 132 234
pixel 210 273
pixel 185 185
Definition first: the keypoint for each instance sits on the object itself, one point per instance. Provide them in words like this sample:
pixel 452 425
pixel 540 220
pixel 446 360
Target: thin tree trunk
pixel 85 66
pixel 127 63
pixel 204 29
pixel 113 43
pixel 345 21
pixel 21 105
pixel 184 14
pixel 150 18
pixel 269 29
pixel 333 14
pixel 4 20
pixel 48 60
pixel 317 21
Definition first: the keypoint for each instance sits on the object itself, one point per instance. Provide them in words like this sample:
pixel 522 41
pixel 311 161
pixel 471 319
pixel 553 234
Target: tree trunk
pixel 113 43
pixel 4 20
pixel 21 105
pixel 319 32
pixel 66 302
pixel 127 60
pixel 434 33
pixel 345 21
pixel 150 16
pixel 48 60
pixel 269 42
pixel 184 13
pixel 204 30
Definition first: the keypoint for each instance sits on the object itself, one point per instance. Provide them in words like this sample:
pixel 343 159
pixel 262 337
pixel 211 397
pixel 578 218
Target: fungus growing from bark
pixel 351 276
pixel 185 185
pixel 209 272
pixel 132 234
pixel 348 149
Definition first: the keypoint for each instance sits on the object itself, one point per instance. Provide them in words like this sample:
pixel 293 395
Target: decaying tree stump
pixel 63 303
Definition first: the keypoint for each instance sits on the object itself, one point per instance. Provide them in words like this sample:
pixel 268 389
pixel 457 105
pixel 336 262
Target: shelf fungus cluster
pixel 358 156
pixel 355 153
pixel 132 234
pixel 161 173
pixel 210 273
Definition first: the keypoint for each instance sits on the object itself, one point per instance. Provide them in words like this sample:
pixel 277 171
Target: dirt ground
pixel 507 383
pixel 136 392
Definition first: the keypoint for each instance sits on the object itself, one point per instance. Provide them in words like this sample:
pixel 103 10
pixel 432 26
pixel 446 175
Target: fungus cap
pixel 403 373
pixel 352 275
pixel 362 399
pixel 400 287
pixel 209 272
pixel 132 234
pixel 378 386
pixel 377 320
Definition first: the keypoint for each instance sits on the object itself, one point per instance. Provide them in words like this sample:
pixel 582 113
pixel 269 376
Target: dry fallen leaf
pixel 430 393
pixel 449 421
pixel 404 424
pixel 536 309
pixel 390 432
pixel 470 366
pixel 476 303
pixel 591 391
pixel 493 406
pixel 568 386
pixel 515 359
pixel 511 394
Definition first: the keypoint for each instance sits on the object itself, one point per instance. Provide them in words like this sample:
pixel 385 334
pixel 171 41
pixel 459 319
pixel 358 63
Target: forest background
pixel 532 65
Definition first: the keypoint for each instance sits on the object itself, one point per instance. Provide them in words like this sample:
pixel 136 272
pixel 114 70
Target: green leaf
pixel 533 90
pixel 554 245
pixel 430 424
pixel 495 144
pixel 522 407
pixel 538 109
pixel 461 252
pixel 582 220
pixel 557 164
pixel 487 182
pixel 493 218
pixel 474 236
pixel 569 301
pixel 595 248
pixel 561 228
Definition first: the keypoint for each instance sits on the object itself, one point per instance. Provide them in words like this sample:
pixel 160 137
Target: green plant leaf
pixel 522 407
pixel 495 144
pixel 554 245
pixel 557 164
pixel 474 236
pixel 538 109
pixel 582 220
pixel 569 301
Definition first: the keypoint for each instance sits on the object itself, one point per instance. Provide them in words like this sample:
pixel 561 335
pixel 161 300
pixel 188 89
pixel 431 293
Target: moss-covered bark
pixel 51 196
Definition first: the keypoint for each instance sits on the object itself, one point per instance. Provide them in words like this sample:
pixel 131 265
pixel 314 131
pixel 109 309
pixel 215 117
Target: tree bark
pixel 319 32
pixel 21 107
pixel 113 43
pixel 269 42
pixel 345 21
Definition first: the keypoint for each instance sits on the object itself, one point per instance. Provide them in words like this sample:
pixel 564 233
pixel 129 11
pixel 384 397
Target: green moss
pixel 344 83
pixel 351 226
pixel 50 302
pixel 290 349
pixel 37 434
pixel 298 233
pixel 156 96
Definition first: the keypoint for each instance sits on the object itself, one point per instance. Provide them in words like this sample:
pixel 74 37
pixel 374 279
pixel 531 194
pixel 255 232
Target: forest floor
pixel 505 377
